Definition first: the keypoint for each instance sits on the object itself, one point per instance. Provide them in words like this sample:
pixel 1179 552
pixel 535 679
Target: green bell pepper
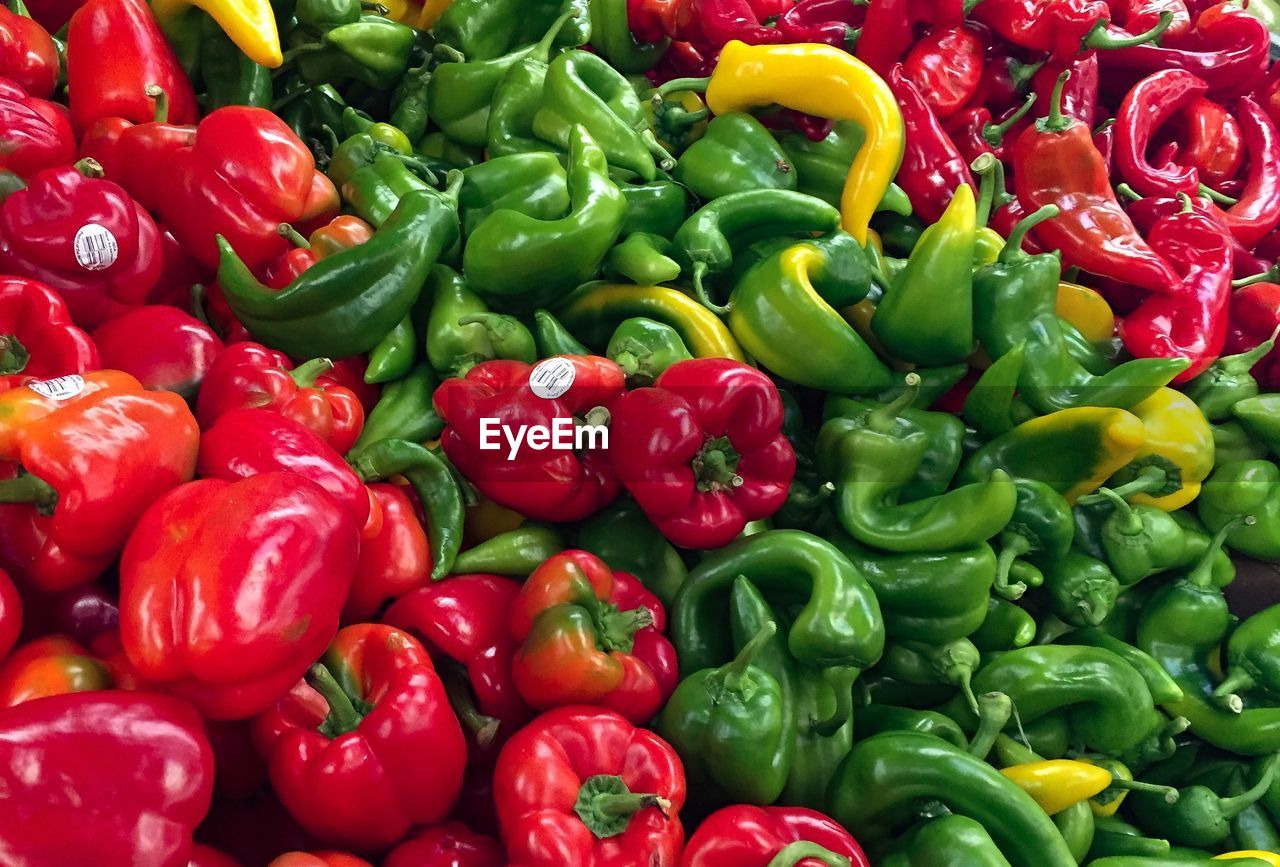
pixel 1232 442
pixel 1257 415
pixel 362 148
pixel 644 348
pixel 374 191
pixel 517 99
pixel 454 348
pixel 1005 627
pixel 736 154
pixel 1245 488
pixel 486 29
pixel 1139 541
pixel 659 208
pixel 507 335
pixel 373 50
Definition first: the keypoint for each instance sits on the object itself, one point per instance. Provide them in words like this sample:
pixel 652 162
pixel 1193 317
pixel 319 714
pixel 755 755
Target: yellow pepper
pixel 828 82
pixel 1272 858
pixel 1179 441
pixel 1056 784
pixel 250 24
pixel 419 14
pixel 1108 801
pixel 1088 311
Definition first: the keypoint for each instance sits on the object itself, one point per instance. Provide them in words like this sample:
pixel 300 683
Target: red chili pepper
pixel 451 844
pixel 746 836
pixel 1079 94
pixel 1064 28
pixel 974 132
pixel 85 237
pixel 165 348
pixel 10 614
pixel 1212 142
pixel 1254 317
pixel 27 53
pixel 245 174
pixel 1136 16
pixel 245 442
pixel 37 338
pixel 721 21
pixel 1056 163
pixel 831 22
pixel 248 375
pixel 1257 210
pixel 1004 80
pixel 395 561
pixel 368 747
pixel 229 590
pixel 465 619
pixel 1148 107
pixel 115 50
pixel 1149 211
pixel 946 66
pixel 582 785
pixel 1104 139
pixel 682 60
pixel 549 484
pixel 38 133
pixel 50 665
pixel 889 29
pixel 1268 94
pixel 124 776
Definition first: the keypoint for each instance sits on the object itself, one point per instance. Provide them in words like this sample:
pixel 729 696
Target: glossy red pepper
pixel 10 614
pixel 1064 28
pixel 946 66
pixel 38 132
pixel 1079 94
pixel 248 375
pixel 1055 163
pixel 349 374
pixel 889 29
pixel 1257 210
pixel 1254 317
pixel 85 237
pixel 1212 142
pixel 246 173
pixel 583 786
pixel 93 452
pixel 115 50
pixel 451 844
pixel 50 665
pixel 701 451
pixel 37 338
pixel 122 775
pixel 1004 80
pixel 496 398
pixel 1149 106
pixel 395 561
pixel 229 590
pixel 747 836
pixel 27 53
pixel 245 442
pixel 932 167
pixel 1137 16
pixel 721 21
pixel 975 132
pixel 577 641
pixel 368 747
pixel 830 22
pixel 165 348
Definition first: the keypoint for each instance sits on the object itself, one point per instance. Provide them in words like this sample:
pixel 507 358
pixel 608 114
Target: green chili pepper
pixel 1014 300
pixel 952 663
pixel 1253 655
pixel 623 537
pixel 871 463
pixel 821 167
pixel 1200 817
pixel 1197 540
pixel 517 99
pixel 1099 358
pixel 374 191
pixel 1075 824
pixel 642 258
pixel 1252 827
pixel 1005 627
pixel 184 32
pixel 1042 526
pixel 507 335
pixel 230 78
pixel 1080 589
pixel 373 50
pixel 926 316
pixel 485 29
pixel 611 36
pixel 644 348
pixel 314 113
pixel 736 154
pixel 532 184
pixel 1163 687
pixel 876 718
pixel 521 262
pixel 404 411
pixel 460 94
pixel 1231 442
pixel 435 486
pixel 393 356
pixel 659 208
pixel 345 304
pixel 1228 381
pixel 992 407
pixel 1120 843
pixel 409 102
pixel 1139 541
pixel 1257 415
pixel 553 338
pixel 947 841
pixel 453 348
pixel 1240 488
pixel 361 149
pixel 516 552
pixel 439 153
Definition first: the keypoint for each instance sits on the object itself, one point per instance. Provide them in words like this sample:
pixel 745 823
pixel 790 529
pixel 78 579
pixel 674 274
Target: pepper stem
pixel 994 133
pixel 1013 246
pixel 1103 39
pixel 284 230
pixel 1202 575
pixel 661 155
pixel 984 166
pixel 453 184
pixel 1271 275
pixel 1244 361
pixel 1057 121
pixel 1125 191
pixel 715 466
pixel 733 673
pixel 1224 695
pixel 90 168
pixel 1014 546
pixel 13 355
pixel 605 805
pixel 30 489
pixel 1215 196
pixel 802 850
pixel 840 679
pixel 696 84
pixel 1130 523
pixel 703 294
pixel 343 716
pixel 1169 793
pixel 1151 478
pixel 304 375
pixel 882 418
pixel 1234 806
pixel 482 727
pixel 994 711
pixel 543 48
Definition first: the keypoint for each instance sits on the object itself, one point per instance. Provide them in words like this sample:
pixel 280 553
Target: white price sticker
pixel 95 247
pixel 60 388
pixel 552 377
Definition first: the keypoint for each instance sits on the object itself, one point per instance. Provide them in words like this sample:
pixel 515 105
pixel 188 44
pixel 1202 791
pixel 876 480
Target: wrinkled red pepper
pixel 394 561
pixel 1064 28
pixel 27 53
pixel 889 29
pixel 721 21
pixel 747 836
pixel 975 132
pixel 1079 94
pixel 368 747
pixel 37 337
pixel 1004 81
pixel 1136 16
pixel 166 348
pixel 582 785
pixel 830 22
pixel 1212 142
pixel 946 66
pixel 232 625
pixel 1257 210
pixel 37 132
pixel 932 167
pixel 1148 107
pixel 702 450
pixel 451 844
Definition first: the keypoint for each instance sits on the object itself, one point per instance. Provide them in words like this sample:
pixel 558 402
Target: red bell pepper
pixel 229 590
pixel 38 133
pixel 248 375
pixel 747 836
pixel 1257 211
pixel 123 776
pixel 932 167
pixel 246 173
pixel 319 859
pixel 451 844
pixel 245 442
pixel 496 399
pixel 369 746
pixel 392 563
pixel 464 619
pixel 702 450
pixel 583 786
pixel 577 642
pixel 1064 28
pixel 37 338
pixel 27 53
pixel 349 374
pixel 115 50
pixel 10 614
pixel 85 237
pixel 91 453
pixel 946 67
pixel 831 22
pixel 1212 142
pixel 889 29
pixel 1079 94
pixel 164 347
pixel 1149 106
pixel 51 665
pixel 1055 163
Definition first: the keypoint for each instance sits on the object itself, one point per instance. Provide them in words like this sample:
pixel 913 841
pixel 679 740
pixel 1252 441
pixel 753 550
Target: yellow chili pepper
pixel 1272 858
pixel 1108 801
pixel 420 15
pixel 1056 784
pixel 1179 441
pixel 250 24
pixel 827 82
pixel 1088 311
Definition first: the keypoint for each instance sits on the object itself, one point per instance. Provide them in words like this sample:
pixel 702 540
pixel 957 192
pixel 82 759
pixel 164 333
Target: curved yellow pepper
pixel 1056 784
pixel 1179 439
pixel 1272 858
pixel 828 82
pixel 419 14
pixel 1088 311
pixel 250 24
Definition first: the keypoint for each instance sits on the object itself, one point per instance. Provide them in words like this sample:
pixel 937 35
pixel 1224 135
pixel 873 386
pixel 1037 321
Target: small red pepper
pixel 1004 81
pixel 10 614
pixel 946 65
pixel 1212 142
pixel 721 21
pixel 702 450
pixel 395 561
pixel 368 747
pixel 576 641
pixel 747 836
pixel 1079 94
pixel 124 776
pixel 1064 28
pixel 889 30
pixel 583 786
pixel 341 233
pixel 1055 163
pixel 1257 210
pixel 164 347
pixel 1149 106
pixel 37 132
pixel 248 375
pixel 50 665
pixel 37 338
pixel 1136 16
pixel 229 590
pixel 115 50
pixel 831 22
pixel 975 132
pixel 451 844
pixel 932 167
pixel 27 53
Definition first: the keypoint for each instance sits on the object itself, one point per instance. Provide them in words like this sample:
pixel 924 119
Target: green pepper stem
pixel 1271 275
pixel 375 8
pixel 29 489
pixel 970 5
pixel 676 84
pixel 1235 805
pixel 1215 196
pixel 984 166
pixel 447 54
pixel 1024 72
pixel 1245 361
pixel 197 297
pixel 13 355
pixel 1051 628
pixel 1125 191
pixel 840 679
pixel 156 92
pixel 456 686
pixel 733 673
pixel 415 165
pixel 1150 478
pixel 453 184
pixel 1013 246
pixel 703 294
pixel 1100 38
pixel 1202 575
pixel 628 361
pixel 90 168
pixel 882 418
pixel 305 375
pixel 1224 695
pixel 288 232
pixel 617 629
pixel 994 133
pixel 793 853
pixel 605 805
pixel 1169 793
pixel 1129 522
pixel 1013 546
pixel 664 159
pixel 542 49
pixel 343 716
pixel 715 466
pixel 1057 121
pixel 994 710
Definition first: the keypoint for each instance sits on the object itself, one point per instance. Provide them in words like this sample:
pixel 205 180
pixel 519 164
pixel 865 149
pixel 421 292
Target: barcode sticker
pixel 95 247
pixel 59 388
pixel 552 377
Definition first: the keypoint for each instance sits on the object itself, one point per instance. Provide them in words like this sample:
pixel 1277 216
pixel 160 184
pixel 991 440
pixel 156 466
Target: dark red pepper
pixel 1148 106
pixel 946 66
pixel 748 836
pixel 1004 81
pixel 394 561
pixel 932 166
pixel 830 22
pixel 721 21
pixel 163 347
pixel 889 29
